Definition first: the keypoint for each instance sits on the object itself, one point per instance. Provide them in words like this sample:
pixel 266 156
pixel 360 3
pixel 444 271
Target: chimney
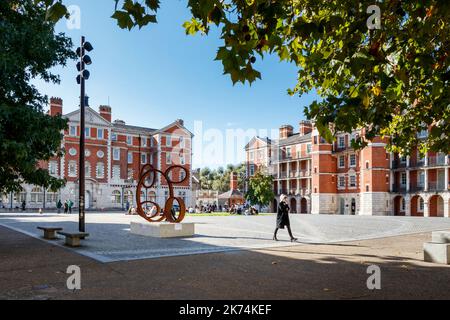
pixel 234 183
pixel 180 121
pixel 105 112
pixel 56 105
pixel 286 131
pixel 305 127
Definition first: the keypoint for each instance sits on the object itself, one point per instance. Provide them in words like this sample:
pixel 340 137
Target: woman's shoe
pixel 294 239
pixel 275 238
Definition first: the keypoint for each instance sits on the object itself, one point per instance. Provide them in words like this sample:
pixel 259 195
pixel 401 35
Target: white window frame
pixel 341 139
pixel 118 154
pixel 129 140
pixel 403 174
pixel 87 132
pixel 73 165
pixel 350 181
pixel 350 160
pixel 168 141
pixel 130 157
pixel 114 136
pixel 339 162
pixel 182 142
pixel 340 179
pixel 100 173
pixel 168 158
pixel 53 168
pixel 143 158
pixel 102 135
pixel 70 131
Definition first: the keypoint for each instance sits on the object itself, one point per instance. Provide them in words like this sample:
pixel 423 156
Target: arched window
pixel 72 168
pixel 52 197
pixel 129 196
pixel 37 195
pixel 116 197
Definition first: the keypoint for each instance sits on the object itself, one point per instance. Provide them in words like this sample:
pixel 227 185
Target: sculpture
pixel 147 179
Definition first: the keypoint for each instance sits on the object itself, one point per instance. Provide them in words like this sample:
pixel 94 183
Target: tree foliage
pixel 260 189
pixel 219 179
pixel 28 49
pixel 391 82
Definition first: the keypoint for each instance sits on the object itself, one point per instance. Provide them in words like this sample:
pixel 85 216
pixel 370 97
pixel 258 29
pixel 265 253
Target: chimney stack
pixel 305 127
pixel 105 112
pixel 56 105
pixel 286 131
pixel 234 182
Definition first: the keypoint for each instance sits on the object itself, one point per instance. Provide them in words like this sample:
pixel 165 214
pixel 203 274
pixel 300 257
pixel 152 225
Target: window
pixel 182 175
pixel 288 152
pixel 130 157
pixel 420 159
pixel 403 159
pixel 87 167
pixel 181 142
pixel 421 179
pixel 341 142
pixel 403 206
pixel 100 170
pixel 87 132
pixel 53 167
pixel 168 158
pixel 143 141
pixel 37 195
pixel 341 182
pixel 114 136
pixel 116 172
pixel 116 197
pixel 143 158
pixel 73 130
pixel 367 164
pixel 100 154
pixel 116 154
pixel 182 161
pixel 52 197
pixel 367 188
pixel 99 133
pixel 341 161
pixel 129 140
pixel 308 148
pixel 168 141
pixel 252 155
pixel 421 204
pixel 72 169
pixel 151 142
pixel 353 160
pixel 353 181
pixel 403 178
pixel 252 170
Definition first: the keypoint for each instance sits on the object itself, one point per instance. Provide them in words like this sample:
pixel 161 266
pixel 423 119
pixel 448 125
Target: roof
pixel 231 194
pixel 265 140
pixel 133 128
pixel 295 138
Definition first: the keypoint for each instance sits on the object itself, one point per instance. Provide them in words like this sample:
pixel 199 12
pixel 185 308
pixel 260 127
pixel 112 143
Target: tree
pixel 390 81
pixel 260 189
pixel 28 49
pixel 219 179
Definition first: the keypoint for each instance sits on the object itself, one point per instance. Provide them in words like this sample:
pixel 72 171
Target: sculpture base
pixel 162 229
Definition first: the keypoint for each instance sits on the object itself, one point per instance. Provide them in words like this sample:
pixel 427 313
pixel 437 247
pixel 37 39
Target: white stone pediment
pixel 92 118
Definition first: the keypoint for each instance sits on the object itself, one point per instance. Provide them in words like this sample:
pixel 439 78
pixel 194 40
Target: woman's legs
pixel 290 233
pixel 275 234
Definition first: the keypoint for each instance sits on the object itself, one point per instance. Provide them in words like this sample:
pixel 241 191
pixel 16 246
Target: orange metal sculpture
pixel 148 179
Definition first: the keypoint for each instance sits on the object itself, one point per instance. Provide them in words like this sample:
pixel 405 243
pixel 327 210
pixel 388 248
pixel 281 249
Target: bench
pixel 438 250
pixel 50 232
pixel 73 239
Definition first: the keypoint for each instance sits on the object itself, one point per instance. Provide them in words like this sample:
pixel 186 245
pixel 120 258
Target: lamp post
pixel 82 76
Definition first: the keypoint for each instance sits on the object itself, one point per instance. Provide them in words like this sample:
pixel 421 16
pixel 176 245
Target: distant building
pixel 319 177
pixel 234 195
pixel 115 153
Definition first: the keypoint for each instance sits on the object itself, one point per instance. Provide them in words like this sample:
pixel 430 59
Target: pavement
pixel 324 268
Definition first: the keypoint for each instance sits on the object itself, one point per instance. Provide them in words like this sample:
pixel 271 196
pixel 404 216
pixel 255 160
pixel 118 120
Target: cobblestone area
pixel 110 239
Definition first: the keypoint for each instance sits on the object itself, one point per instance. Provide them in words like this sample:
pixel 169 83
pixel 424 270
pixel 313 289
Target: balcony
pixel 396 164
pixel 416 188
pixel 435 161
pixel 436 186
pixel 399 189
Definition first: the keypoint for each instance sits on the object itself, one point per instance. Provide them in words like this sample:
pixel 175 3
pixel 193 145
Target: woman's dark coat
pixel 283 215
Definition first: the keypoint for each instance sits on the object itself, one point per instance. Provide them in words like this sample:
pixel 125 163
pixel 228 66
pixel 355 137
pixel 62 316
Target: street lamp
pixel 82 76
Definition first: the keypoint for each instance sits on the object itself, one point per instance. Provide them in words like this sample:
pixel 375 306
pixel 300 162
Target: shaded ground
pixel 34 269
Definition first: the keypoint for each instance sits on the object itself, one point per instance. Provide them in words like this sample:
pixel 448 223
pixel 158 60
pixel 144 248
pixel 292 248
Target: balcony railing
pixel 436 161
pixel 398 164
pixel 436 186
pixel 401 188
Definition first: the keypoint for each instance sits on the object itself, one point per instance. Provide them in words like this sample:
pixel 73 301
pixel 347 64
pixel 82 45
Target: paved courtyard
pixel 110 239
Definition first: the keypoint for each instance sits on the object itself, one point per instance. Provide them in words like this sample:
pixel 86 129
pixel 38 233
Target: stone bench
pixel 73 239
pixel 163 229
pixel 438 250
pixel 50 232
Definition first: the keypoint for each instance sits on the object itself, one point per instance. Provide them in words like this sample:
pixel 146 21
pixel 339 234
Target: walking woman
pixel 283 218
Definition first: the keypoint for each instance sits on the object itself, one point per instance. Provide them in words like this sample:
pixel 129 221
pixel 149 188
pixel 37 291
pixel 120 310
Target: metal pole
pixel 81 224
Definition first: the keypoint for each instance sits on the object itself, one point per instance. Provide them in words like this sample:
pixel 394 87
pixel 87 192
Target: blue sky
pixel 158 74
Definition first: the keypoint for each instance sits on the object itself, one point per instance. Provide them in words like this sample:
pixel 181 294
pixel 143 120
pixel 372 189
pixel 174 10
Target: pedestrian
pixel 23 205
pixel 70 204
pixel 283 218
pixel 59 206
pixel 66 207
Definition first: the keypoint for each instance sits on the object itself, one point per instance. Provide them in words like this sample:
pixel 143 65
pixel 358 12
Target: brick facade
pixel 323 178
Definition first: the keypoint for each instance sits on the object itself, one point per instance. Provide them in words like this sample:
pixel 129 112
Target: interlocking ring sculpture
pixel 147 179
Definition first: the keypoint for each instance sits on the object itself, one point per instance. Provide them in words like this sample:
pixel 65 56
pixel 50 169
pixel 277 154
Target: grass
pixel 218 214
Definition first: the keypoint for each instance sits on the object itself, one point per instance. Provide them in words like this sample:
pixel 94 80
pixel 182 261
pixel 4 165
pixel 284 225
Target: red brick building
pixel 319 177
pixel 115 153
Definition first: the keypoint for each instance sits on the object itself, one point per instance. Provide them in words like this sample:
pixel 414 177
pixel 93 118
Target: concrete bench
pixel 50 232
pixel 73 239
pixel 438 250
